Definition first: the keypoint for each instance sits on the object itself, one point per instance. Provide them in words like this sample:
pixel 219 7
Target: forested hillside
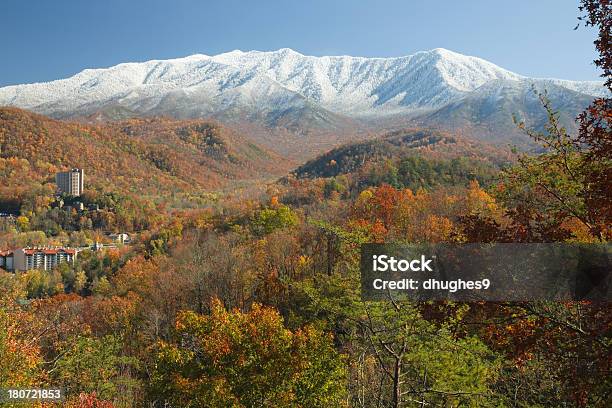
pixel 153 157
pixel 428 144
pixel 408 159
pixel 247 301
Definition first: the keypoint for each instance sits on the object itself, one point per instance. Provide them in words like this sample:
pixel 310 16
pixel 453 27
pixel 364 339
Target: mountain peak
pixel 444 52
pixel 288 51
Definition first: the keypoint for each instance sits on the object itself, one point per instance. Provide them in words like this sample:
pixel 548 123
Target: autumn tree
pixel 268 220
pixel 95 365
pixel 91 400
pixel 596 121
pixel 247 359
pixel 20 357
pixel 397 357
pixel 560 349
pixel 570 180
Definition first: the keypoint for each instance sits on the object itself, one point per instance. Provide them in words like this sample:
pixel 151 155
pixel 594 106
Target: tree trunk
pixel 397 391
pixel 330 254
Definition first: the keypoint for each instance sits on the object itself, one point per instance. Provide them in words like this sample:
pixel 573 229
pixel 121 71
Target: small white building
pixel 120 238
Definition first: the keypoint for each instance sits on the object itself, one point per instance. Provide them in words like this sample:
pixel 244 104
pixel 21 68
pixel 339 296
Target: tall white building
pixel 70 182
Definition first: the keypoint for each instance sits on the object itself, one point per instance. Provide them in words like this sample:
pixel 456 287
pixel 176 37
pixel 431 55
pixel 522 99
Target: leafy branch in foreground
pixel 553 188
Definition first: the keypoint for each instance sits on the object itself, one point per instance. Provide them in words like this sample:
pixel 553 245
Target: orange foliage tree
pixel 247 359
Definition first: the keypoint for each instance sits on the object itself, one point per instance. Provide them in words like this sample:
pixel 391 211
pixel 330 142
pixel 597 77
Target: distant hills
pixel 143 156
pixel 301 105
pixel 426 144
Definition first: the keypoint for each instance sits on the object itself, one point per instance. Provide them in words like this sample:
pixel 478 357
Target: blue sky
pixel 44 40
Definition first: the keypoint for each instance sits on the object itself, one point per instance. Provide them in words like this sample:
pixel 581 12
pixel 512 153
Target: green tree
pixel 89 364
pixel 398 358
pixel 271 219
pixel 40 283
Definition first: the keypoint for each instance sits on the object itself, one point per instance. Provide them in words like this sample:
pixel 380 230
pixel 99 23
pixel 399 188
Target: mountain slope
pixel 308 96
pixel 155 156
pixel 487 112
pixel 426 143
pixel 206 85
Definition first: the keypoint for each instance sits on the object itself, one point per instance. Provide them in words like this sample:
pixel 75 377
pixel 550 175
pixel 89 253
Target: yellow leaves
pixel 580 232
pixel 479 201
pixel 241 358
pixel 365 196
pixel 440 228
pixel 203 221
pixel 304 262
pixel 19 355
pixel 450 200
pixel 23 222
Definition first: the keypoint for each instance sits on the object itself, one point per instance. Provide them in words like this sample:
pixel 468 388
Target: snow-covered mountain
pixel 286 88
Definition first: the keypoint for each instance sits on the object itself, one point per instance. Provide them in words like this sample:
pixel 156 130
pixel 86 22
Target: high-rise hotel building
pixel 70 182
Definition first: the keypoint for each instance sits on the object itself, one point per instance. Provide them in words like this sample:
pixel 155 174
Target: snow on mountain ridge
pixel 358 85
pixel 355 86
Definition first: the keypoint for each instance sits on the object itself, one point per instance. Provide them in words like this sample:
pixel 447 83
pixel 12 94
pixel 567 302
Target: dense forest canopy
pixel 242 289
